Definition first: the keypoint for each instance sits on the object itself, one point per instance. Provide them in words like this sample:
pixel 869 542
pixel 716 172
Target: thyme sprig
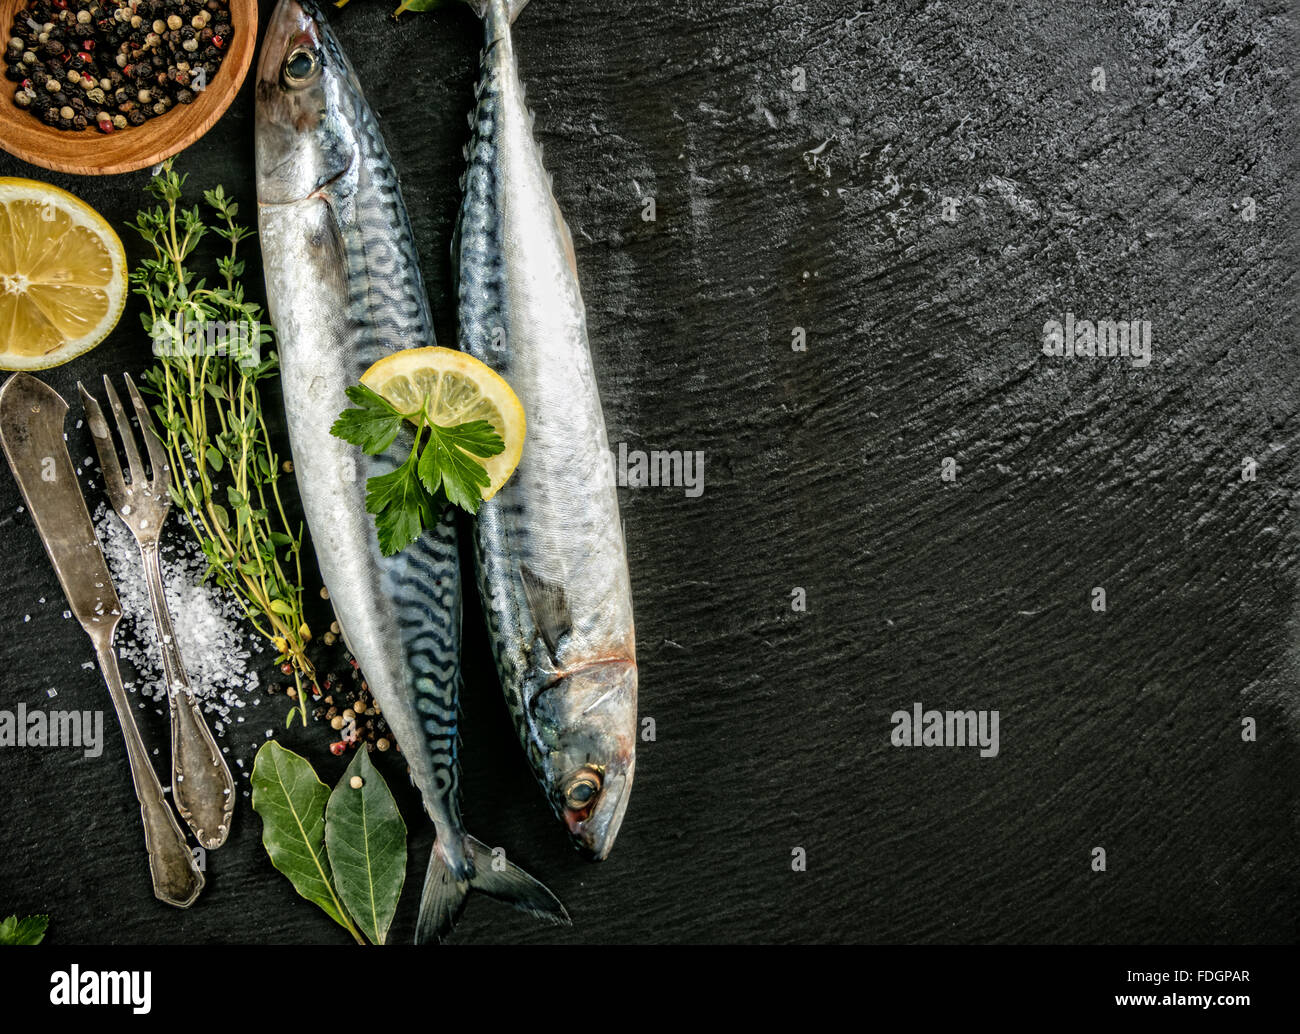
pixel 208 339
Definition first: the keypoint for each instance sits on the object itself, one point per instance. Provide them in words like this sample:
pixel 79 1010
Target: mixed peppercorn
pixel 345 704
pixel 111 64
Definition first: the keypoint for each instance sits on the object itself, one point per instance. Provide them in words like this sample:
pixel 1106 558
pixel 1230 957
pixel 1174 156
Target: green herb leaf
pixel 448 462
pixel 402 507
pixel 412 5
pixel 366 840
pixel 373 426
pixel 23 931
pixel 291 801
pixel 210 414
pixel 445 467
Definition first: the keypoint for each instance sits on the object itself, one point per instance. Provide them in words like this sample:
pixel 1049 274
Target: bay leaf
pixel 291 801
pixel 366 840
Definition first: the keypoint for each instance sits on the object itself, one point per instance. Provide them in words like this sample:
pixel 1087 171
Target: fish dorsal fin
pixel 549 606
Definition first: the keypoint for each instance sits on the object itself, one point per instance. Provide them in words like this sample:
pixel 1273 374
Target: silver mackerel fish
pixel 344 289
pixel 552 563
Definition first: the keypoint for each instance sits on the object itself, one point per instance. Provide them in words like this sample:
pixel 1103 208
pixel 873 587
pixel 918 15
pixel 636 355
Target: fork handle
pixel 202 787
pixel 176 876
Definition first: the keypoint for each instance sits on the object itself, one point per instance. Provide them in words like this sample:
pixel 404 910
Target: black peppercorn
pixel 94 53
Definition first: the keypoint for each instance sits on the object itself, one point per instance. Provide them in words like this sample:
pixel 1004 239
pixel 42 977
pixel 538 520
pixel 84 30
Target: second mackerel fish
pixel 344 289
pixel 552 565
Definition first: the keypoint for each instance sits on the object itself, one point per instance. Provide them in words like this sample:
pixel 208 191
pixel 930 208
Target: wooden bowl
pixel 92 153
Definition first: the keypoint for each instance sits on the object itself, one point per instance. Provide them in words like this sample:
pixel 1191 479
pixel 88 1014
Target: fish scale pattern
pixel 484 334
pixel 424 582
pixel 388 310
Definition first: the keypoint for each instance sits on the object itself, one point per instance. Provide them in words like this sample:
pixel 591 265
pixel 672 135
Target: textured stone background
pixel 822 209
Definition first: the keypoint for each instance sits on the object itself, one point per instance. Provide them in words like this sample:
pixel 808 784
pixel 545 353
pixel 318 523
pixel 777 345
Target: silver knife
pixel 31 433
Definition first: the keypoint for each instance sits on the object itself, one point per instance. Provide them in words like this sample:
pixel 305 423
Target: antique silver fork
pixel 202 789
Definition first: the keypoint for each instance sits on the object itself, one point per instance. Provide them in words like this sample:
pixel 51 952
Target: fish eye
pixel 582 790
pixel 300 65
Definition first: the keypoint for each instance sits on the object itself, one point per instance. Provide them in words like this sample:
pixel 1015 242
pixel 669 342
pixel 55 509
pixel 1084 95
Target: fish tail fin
pixel 501 879
pixel 442 900
pixel 514 6
pixel 446 891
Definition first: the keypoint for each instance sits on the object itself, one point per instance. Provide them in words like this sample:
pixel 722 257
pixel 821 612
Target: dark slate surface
pixel 823 209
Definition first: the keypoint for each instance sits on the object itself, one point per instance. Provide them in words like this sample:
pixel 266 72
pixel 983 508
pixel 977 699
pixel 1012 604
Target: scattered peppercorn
pixel 58 48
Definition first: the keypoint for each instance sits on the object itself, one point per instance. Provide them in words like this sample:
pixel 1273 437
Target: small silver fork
pixel 202 789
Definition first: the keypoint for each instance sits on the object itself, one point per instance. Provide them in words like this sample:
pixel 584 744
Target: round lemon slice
pixel 454 388
pixel 63 276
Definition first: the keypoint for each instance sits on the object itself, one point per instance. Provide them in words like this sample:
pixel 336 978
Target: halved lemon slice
pixel 454 388
pixel 62 276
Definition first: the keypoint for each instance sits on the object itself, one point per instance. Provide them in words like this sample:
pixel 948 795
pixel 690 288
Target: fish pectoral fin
pixel 327 238
pixel 549 606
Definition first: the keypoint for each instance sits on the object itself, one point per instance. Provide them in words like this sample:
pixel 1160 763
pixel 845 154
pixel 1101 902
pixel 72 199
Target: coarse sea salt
pixel 216 645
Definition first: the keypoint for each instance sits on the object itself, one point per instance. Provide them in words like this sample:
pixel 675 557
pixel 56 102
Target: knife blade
pixel 31 435
pixel 31 432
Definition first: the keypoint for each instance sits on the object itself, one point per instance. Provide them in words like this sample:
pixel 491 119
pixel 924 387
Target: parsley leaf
pixel 23 931
pixel 374 425
pixel 444 466
pixel 402 506
pixel 448 462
